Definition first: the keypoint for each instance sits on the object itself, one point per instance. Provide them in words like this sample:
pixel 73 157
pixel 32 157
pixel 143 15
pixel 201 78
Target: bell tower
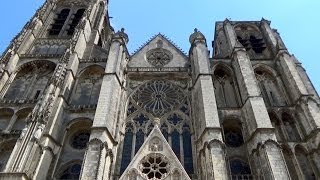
pixel 38 73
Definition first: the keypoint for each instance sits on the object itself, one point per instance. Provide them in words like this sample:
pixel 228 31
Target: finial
pixel 197 36
pixel 122 29
pixel 157 121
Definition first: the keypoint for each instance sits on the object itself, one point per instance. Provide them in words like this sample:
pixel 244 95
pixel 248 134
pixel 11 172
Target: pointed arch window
pixel 30 82
pixel 187 149
pixel 304 163
pixel 239 169
pixel 233 133
pixel 290 127
pixel 270 89
pixel 167 101
pixel 66 22
pixel 226 94
pixel 277 125
pixel 56 27
pixel 175 136
pixel 75 21
pixel 127 148
pixel 72 172
pixel 88 87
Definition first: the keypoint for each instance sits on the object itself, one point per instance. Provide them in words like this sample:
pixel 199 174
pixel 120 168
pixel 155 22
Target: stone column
pixel 298 91
pixel 217 154
pixel 105 120
pixel 206 113
pixel 44 165
pixel 255 112
pixel 26 156
pixel 11 123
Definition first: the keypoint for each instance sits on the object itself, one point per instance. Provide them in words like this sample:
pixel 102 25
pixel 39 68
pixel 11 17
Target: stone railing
pixel 18 101
pixel 160 69
pixel 93 60
pixel 47 48
pixel 76 108
pixel 41 55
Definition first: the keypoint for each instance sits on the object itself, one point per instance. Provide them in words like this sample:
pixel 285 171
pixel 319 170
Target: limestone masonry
pixel 74 104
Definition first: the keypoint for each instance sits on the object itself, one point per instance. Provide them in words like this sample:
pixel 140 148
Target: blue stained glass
pixel 187 150
pixel 175 137
pixel 174 119
pixel 239 167
pixel 165 133
pixel 150 128
pixel 126 152
pixel 139 140
pixel 131 109
pixel 141 119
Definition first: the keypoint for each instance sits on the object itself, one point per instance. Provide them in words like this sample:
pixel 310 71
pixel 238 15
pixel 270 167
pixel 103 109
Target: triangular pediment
pixel 155 161
pixel 158 52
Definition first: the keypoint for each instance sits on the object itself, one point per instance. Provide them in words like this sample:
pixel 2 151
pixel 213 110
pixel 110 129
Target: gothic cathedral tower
pixel 74 104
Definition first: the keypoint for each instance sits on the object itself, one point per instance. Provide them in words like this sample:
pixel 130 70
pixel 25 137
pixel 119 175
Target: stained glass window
pixel 238 167
pixel 158 97
pixel 80 140
pixel 139 140
pixel 175 137
pixel 174 119
pixel 155 166
pixel 187 150
pixel 127 148
pixel 72 172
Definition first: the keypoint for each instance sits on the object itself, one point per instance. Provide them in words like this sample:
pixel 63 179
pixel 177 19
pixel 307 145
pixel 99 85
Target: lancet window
pixel 65 22
pixel 270 89
pixel 239 169
pixel 88 87
pixel 30 81
pixel 164 100
pixel 225 89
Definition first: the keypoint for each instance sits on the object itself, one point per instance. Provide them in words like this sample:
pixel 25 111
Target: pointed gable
pixel 155 160
pixel 158 52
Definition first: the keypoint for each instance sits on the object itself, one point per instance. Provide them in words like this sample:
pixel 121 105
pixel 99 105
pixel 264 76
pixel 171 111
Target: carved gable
pixel 155 160
pixel 158 52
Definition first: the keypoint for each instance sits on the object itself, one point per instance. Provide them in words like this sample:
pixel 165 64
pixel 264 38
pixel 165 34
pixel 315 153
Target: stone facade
pixel 76 105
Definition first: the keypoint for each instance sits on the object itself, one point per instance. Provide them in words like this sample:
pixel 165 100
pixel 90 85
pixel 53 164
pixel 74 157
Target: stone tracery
pixel 155 166
pixel 158 97
pixel 167 101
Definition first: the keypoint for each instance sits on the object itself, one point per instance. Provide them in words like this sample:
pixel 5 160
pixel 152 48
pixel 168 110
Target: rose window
pixel 159 57
pixel 158 97
pixel 155 166
pixel 80 140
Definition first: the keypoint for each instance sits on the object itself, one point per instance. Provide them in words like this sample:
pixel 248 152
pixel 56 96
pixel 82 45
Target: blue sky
pixel 296 20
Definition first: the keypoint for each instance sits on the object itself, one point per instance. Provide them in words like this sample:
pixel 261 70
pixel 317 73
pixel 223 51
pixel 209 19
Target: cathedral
pixel 75 104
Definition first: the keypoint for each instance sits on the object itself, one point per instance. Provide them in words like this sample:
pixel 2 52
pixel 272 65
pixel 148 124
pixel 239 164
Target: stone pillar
pixel 256 117
pixel 11 123
pixel 208 126
pixel 26 156
pixel 285 63
pixel 217 154
pixel 105 120
pixel 298 90
pixel 44 165
pixel 108 163
pixel 92 160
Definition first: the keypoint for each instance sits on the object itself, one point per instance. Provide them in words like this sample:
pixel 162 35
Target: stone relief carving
pixel 155 166
pixel 156 144
pixel 159 56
